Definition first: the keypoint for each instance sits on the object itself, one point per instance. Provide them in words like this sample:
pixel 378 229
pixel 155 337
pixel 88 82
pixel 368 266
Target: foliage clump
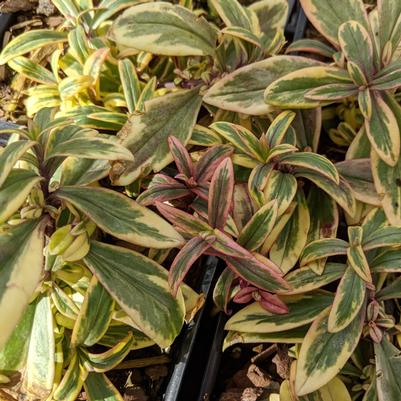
pixel 159 133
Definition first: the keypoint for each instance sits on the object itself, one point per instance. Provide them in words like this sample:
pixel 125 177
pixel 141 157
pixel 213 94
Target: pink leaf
pixel 221 194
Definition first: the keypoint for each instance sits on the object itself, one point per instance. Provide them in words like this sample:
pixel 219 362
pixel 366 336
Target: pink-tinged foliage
pixel 181 157
pixel 165 189
pixel 271 302
pixel 182 220
pixel 221 194
pixel 256 272
pixel 227 246
pixel 208 163
pixel 187 256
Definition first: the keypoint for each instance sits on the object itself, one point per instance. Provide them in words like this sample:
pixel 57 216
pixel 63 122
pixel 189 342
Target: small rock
pixel 46 7
pixel 14 6
pixel 55 21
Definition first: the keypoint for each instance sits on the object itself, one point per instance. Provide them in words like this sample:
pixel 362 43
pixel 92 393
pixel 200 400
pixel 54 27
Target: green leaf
pixel 68 8
pixel 341 193
pixel 14 353
pixel 40 365
pixel 322 248
pixel 293 336
pixel 233 14
pixel 107 8
pixel 388 369
pixel 73 379
pixel 388 261
pixel 179 31
pixel 279 127
pixel 222 289
pixel 357 260
pixel 391 80
pixel 121 216
pixel 254 233
pixel 383 131
pixel 313 162
pixel 292 239
pixel 313 46
pixel 241 138
pixel 10 155
pixel 332 92
pixel 94 316
pixel 383 237
pixel 31 70
pixel 145 135
pixel 334 390
pixel 21 260
pixel 15 190
pixel 357 46
pixel 256 184
pixel 130 83
pixel 387 180
pixel 390 27
pixel 78 171
pixel 305 279
pixel 290 90
pixel 272 15
pixel 140 287
pixel 31 40
pixel 390 291
pixel 303 309
pixel 350 296
pixel 109 359
pixel 115 334
pixel 99 388
pixel 72 86
pixel 359 77
pixel 358 174
pixel 242 34
pixel 281 187
pixel 242 91
pixel 99 148
pixel 148 92
pixel 324 354
pixel 323 221
pixel 327 19
pixel 40 97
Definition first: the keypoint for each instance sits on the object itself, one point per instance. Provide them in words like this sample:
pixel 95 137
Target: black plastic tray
pixel 186 376
pixel 296 22
pixel 5 23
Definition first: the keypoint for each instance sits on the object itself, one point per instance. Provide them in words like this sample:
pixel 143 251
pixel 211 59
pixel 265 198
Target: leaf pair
pixel 192 179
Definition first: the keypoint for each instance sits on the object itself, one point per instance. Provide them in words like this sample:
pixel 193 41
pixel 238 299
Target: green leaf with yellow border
pixel 121 216
pixel 140 287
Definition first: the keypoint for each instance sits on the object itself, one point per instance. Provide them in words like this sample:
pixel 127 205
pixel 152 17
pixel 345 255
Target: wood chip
pixel 283 363
pixel 258 377
pixel 251 394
